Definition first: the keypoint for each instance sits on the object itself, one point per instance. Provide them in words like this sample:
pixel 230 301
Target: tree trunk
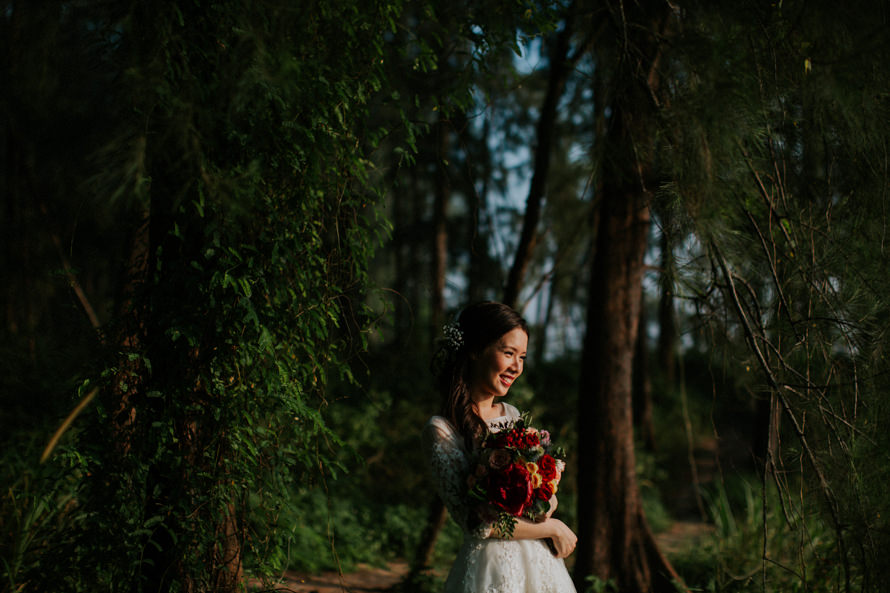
pixel 615 541
pixel 230 575
pixel 560 67
pixel 130 336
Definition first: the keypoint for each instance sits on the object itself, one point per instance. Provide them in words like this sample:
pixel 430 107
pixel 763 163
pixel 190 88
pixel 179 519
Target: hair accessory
pixel 454 337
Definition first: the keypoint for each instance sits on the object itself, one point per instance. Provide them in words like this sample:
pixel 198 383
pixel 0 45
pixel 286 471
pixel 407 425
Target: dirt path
pixel 366 579
pixel 682 535
pixel 369 579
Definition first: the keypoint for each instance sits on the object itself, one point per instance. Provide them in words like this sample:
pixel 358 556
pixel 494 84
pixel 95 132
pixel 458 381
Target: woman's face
pixel 501 363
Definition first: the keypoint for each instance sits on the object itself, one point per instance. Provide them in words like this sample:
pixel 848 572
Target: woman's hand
pixel 563 538
pixel 553 504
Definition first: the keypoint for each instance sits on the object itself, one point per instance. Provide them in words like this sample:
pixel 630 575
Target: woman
pixel 481 358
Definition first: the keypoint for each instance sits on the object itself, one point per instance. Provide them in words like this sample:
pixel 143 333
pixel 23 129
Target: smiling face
pixel 498 365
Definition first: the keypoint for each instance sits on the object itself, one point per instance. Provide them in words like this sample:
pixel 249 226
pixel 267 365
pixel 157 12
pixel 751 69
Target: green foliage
pixel 650 475
pixel 780 263
pixel 321 530
pixel 235 136
pixel 760 542
pixel 38 502
pixel 598 585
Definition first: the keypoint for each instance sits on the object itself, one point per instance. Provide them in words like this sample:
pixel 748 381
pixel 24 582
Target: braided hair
pixel 479 325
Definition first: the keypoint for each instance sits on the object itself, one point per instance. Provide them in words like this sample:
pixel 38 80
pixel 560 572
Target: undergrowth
pixel 760 543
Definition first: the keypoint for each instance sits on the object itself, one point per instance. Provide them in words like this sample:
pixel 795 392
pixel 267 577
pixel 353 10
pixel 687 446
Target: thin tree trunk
pixel 667 333
pixel 400 283
pixel 545 133
pixel 547 318
pixel 476 206
pixel 437 513
pixel 642 384
pixel 440 228
pixel 415 240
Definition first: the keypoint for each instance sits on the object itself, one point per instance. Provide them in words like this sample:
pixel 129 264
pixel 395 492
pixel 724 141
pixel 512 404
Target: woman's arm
pixel 563 538
pixel 448 464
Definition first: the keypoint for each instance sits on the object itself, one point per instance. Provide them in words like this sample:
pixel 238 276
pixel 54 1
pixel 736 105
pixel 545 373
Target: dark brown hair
pixel 481 325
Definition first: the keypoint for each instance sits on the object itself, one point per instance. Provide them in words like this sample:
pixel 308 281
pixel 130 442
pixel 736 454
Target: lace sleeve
pixel 449 468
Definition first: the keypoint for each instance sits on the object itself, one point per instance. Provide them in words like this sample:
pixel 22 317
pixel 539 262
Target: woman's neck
pixel 486 407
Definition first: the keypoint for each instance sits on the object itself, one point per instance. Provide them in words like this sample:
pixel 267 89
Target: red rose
pixel 547 468
pixel 545 492
pixel 510 489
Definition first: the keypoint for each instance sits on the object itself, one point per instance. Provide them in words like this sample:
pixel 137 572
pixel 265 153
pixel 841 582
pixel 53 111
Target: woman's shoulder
pixel 439 425
pixel 510 411
pixel 439 429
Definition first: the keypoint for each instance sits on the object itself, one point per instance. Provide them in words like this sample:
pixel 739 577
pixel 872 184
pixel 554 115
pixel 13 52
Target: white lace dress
pixel 486 564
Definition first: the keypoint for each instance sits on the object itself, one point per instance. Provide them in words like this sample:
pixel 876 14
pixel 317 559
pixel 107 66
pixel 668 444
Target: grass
pixel 760 544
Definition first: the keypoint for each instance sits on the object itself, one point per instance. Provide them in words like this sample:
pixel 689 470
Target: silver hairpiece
pixel 454 337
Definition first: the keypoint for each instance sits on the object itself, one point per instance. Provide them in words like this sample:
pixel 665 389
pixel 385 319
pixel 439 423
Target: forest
pixel 232 233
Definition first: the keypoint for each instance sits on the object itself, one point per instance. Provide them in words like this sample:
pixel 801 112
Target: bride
pixel 482 355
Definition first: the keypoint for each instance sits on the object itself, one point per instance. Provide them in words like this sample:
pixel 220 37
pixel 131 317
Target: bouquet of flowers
pixel 516 471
